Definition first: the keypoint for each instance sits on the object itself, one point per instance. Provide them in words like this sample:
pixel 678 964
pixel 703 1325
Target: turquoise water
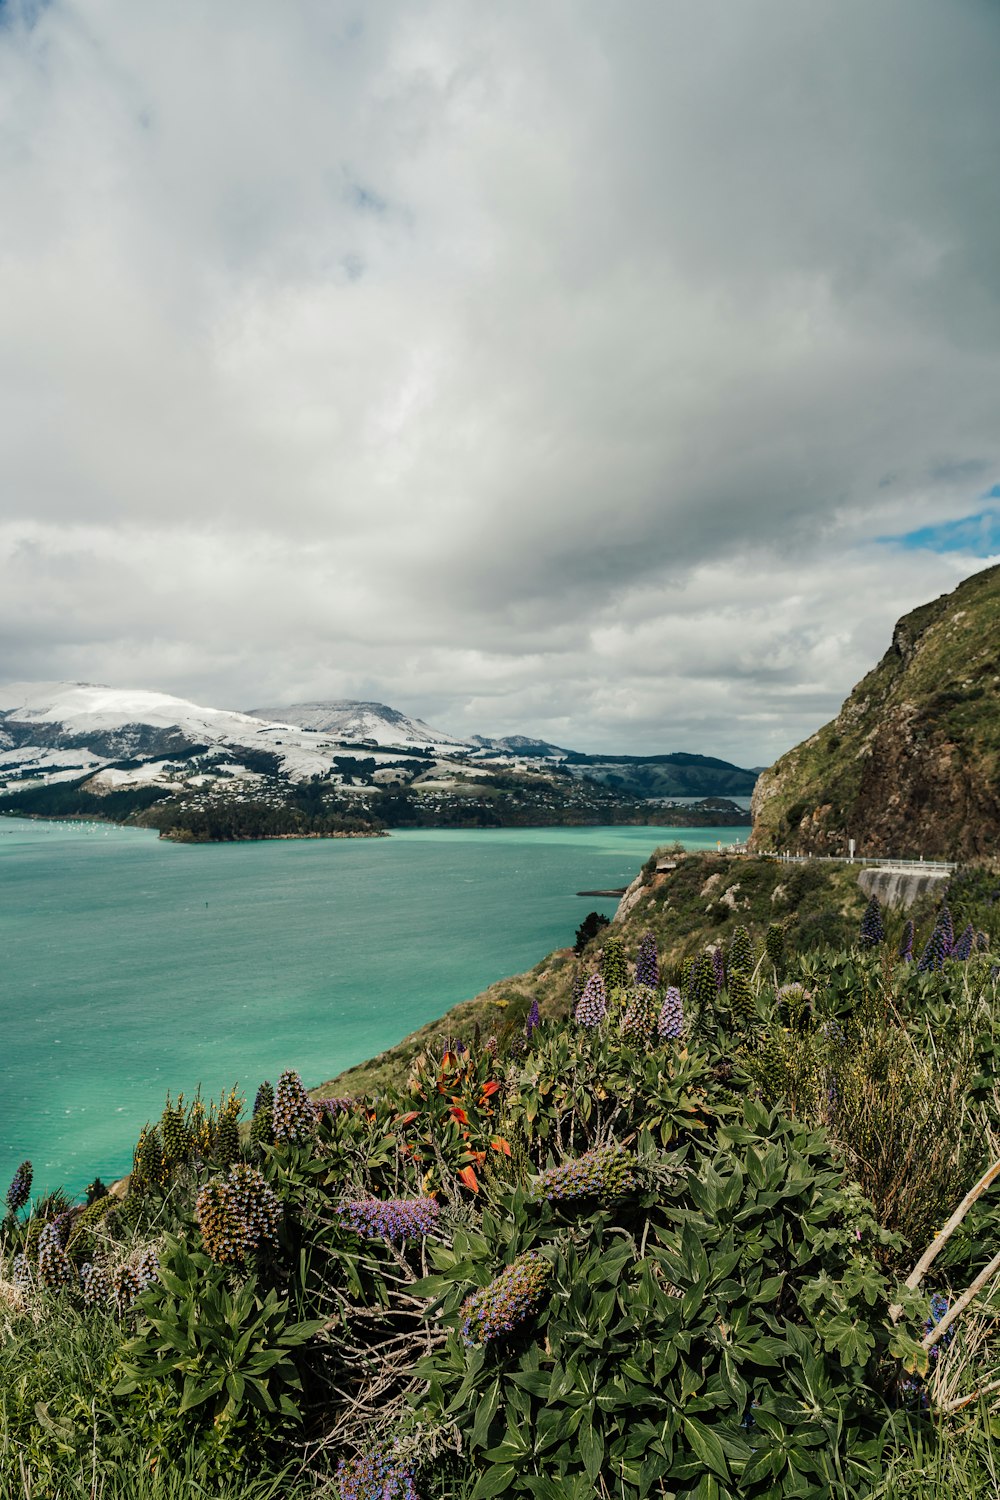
pixel 129 966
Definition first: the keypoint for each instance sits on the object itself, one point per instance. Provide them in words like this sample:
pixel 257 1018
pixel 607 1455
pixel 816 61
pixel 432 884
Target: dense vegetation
pixel 660 1246
pixel 910 765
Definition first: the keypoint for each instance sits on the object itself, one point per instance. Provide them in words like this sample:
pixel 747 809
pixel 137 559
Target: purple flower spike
pixel 375 1475
pixel 55 1269
pixel 534 1016
pixel 593 1004
pixel 872 927
pixel 509 1300
pixel 963 948
pixel 671 1023
pixel 647 964
pixel 20 1188
pixel 720 968
pixel 934 954
pixel 906 943
pixel 390 1218
pixel 606 1173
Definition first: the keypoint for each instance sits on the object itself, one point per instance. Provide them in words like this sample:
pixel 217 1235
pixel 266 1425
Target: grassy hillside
pixel 696 903
pixel 911 764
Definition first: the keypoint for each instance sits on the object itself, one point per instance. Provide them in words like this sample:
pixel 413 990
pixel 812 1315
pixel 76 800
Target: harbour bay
pixel 131 966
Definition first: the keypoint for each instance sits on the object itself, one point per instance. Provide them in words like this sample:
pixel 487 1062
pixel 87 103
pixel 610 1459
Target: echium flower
pixel 670 1026
pixel 255 1207
pixel 237 1215
pixel 95 1285
pixel 614 968
pixel 22 1272
pixel 592 1006
pixel 936 951
pixel 220 1233
pixel 579 980
pixel 906 943
pixel 125 1288
pixel 374 1475
pixel 963 947
pixel 20 1188
pixel 741 951
pixel 719 964
pixel 174 1132
pixel 147 1268
pixel 534 1016
pixel 606 1172
pixel 742 1005
pixel 55 1269
pixel 647 965
pixel 639 1017
pixel 946 925
pixel 327 1109
pixel 872 927
pixel 294 1116
pixel 390 1218
pixel 262 1120
pixel 702 991
pixel 226 1135
pixel 508 1301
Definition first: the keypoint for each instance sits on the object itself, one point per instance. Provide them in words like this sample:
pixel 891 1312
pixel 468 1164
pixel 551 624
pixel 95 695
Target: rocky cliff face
pixel 911 764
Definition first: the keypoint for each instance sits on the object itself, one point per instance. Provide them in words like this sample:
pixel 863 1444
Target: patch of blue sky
pixel 977 535
pixel 21 13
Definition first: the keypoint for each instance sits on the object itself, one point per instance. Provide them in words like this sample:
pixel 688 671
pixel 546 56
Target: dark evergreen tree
pixel 589 928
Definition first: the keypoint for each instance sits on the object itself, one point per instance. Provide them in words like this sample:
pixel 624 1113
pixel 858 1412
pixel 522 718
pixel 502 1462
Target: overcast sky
pixel 613 373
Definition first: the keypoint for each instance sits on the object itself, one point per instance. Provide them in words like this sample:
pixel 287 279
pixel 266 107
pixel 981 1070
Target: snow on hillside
pixel 348 719
pixel 83 708
pixel 55 730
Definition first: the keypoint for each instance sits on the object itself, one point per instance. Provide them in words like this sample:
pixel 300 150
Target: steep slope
pixel 910 765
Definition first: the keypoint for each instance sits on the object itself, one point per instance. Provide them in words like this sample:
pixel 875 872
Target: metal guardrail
pixel 885 863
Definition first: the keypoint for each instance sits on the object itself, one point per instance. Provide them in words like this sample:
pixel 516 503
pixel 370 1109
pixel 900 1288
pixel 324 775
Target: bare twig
pixel 947 1408
pixel 939 1241
pixel 941 1328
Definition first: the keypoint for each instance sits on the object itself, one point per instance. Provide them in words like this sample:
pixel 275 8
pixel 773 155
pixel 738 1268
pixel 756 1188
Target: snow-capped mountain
pixel 350 720
pixel 60 731
pixel 125 721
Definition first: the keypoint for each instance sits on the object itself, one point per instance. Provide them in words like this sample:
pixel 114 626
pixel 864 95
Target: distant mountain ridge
pixel 326 768
pixel 911 764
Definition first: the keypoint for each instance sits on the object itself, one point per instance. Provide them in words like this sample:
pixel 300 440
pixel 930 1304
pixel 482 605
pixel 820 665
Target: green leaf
pixel 706 1445
pixel 591 1449
pixel 493 1481
pixel 484 1415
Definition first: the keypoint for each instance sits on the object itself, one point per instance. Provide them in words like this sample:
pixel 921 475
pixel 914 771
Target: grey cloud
pixel 346 349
